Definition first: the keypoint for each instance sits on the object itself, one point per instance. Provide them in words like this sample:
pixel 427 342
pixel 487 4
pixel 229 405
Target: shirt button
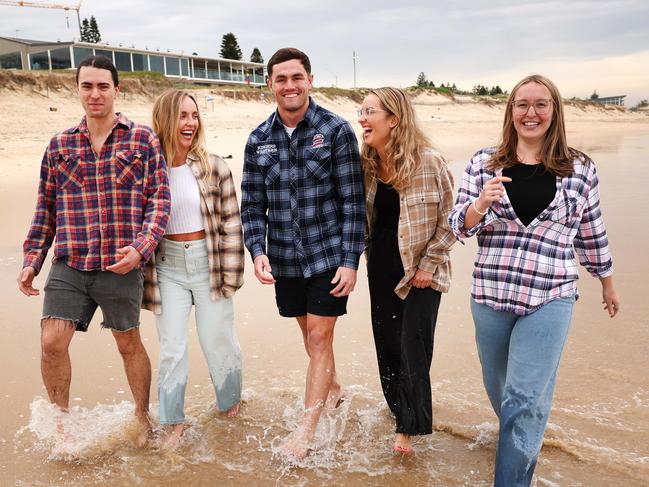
pixel 186 246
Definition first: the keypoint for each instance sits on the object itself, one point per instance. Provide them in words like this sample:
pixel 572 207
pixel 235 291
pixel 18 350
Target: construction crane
pixel 61 6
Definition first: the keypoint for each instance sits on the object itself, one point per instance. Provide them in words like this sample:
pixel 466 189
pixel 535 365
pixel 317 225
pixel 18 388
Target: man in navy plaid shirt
pixel 302 191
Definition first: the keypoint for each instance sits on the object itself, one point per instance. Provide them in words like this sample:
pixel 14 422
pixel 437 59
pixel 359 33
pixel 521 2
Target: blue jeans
pixel 184 279
pixel 520 357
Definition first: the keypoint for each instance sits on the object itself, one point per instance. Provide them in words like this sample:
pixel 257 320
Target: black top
pixel 531 190
pixel 386 208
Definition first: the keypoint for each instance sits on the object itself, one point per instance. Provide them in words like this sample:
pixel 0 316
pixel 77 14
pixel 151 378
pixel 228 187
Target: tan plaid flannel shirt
pixel 425 238
pixel 223 236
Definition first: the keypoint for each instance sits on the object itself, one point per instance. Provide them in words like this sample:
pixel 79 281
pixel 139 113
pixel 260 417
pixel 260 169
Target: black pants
pixel 404 336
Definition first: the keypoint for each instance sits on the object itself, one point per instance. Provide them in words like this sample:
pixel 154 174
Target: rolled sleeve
pixel 158 202
pixel 591 241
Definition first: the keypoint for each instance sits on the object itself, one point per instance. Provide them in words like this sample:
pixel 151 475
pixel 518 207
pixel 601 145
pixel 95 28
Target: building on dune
pixel 34 55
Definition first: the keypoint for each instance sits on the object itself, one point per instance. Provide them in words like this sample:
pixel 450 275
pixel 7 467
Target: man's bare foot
pixel 172 436
pixel 143 430
pixel 296 445
pixel 234 411
pixel 402 444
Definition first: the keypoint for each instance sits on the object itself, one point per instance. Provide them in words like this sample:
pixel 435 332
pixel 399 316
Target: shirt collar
pixel 120 119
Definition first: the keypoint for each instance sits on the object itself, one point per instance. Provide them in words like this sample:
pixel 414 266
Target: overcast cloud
pixel 581 45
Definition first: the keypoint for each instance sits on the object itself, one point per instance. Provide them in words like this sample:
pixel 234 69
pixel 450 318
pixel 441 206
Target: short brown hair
pixel 99 62
pixel 286 54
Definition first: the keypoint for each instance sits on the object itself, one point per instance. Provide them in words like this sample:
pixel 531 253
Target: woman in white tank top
pixel 199 262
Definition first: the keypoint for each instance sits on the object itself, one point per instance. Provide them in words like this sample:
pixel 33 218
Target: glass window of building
pixel 173 66
pixel 139 62
pixel 123 61
pixel 81 53
pixel 61 58
pixel 213 69
pixel 157 63
pixel 39 60
pixel 199 68
pixel 11 61
pixel 104 52
pixel 184 65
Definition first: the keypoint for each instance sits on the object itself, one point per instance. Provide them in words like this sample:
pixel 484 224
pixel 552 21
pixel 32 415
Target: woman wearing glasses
pixel 199 262
pixel 409 196
pixel 532 201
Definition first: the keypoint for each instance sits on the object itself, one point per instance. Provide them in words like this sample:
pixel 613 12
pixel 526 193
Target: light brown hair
pixel 404 151
pixel 166 114
pixel 555 154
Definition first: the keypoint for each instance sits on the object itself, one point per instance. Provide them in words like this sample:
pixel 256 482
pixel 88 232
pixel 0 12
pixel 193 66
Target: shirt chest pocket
pixel 69 172
pixel 422 208
pixel 270 169
pixel 318 162
pixel 566 211
pixel 129 168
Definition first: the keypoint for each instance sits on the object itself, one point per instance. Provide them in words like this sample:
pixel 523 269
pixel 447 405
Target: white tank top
pixel 185 215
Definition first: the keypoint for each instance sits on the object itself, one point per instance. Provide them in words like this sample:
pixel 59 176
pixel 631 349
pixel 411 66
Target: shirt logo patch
pixel 318 141
pixel 267 149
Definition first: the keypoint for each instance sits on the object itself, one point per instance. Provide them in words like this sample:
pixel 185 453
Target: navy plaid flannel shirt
pixel 305 194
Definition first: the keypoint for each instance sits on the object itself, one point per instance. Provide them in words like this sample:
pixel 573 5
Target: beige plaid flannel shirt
pixel 424 235
pixel 223 236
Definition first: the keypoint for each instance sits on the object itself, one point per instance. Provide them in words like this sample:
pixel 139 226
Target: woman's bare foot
pixel 335 397
pixel 172 436
pixel 234 411
pixel 402 443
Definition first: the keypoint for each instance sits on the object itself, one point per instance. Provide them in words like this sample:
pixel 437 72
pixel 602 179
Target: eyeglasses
pixel 541 107
pixel 367 112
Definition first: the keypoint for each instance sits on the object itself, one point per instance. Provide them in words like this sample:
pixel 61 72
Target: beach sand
pixel 600 420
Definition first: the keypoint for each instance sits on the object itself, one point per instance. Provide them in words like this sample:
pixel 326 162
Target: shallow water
pixel 598 428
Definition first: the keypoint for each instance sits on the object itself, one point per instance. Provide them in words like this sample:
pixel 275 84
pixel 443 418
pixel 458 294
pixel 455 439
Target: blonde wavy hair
pixel 555 155
pixel 166 116
pixel 404 151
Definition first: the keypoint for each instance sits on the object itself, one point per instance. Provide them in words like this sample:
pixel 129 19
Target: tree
pixel 230 47
pixel 594 96
pixel 93 31
pixel 85 28
pixel 256 57
pixel 421 80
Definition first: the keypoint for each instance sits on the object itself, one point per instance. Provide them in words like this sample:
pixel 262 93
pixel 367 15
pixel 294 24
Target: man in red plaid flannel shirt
pixel 104 195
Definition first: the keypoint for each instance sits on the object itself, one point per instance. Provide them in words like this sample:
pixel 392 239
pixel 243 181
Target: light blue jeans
pixel 520 357
pixel 184 279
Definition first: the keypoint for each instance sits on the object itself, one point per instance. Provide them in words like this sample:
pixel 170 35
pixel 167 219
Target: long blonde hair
pixel 404 151
pixel 166 114
pixel 555 155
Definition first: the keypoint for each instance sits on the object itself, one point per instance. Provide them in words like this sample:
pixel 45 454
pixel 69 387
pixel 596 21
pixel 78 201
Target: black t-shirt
pixel 531 190
pixel 386 207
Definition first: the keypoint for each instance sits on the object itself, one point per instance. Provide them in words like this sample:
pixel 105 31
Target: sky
pixel 581 45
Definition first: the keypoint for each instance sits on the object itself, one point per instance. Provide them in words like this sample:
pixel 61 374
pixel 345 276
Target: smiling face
pixel 377 123
pixel 532 127
pixel 188 123
pixel 290 84
pixel 97 92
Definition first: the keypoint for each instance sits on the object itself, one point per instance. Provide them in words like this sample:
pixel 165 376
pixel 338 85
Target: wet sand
pixel 600 420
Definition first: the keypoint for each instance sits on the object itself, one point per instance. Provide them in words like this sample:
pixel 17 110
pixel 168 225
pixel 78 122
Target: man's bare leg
pixel 138 374
pixel 56 369
pixel 320 373
pixel 335 395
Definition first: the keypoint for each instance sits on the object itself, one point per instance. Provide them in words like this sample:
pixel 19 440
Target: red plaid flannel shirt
pixel 96 204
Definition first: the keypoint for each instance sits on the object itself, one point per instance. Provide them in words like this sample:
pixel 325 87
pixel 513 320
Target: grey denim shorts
pixel 74 295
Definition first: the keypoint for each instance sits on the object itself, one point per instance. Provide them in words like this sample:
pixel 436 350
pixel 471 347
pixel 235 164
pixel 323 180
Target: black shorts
pixel 297 296
pixel 74 295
